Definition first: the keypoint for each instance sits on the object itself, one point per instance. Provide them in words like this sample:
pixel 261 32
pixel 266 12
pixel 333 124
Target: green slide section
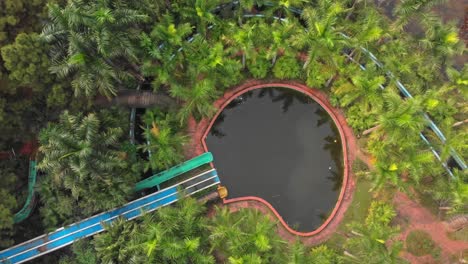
pixel 29 204
pixel 182 168
pixel 152 181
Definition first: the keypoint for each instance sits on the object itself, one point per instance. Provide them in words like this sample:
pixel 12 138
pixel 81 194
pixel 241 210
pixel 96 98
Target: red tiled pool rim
pixel 200 130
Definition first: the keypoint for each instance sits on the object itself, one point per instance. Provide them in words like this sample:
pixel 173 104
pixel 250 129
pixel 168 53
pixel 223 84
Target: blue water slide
pixel 93 225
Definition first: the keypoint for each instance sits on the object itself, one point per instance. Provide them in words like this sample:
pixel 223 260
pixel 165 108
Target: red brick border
pixel 199 131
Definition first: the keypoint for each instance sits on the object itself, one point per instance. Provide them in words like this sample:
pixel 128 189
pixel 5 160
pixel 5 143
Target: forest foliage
pixel 58 56
pixel 184 234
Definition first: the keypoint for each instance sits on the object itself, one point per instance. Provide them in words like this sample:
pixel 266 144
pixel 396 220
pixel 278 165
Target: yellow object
pixel 155 130
pixel 393 167
pixel 452 38
pixel 222 192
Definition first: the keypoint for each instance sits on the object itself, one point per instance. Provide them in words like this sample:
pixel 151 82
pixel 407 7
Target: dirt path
pixel 419 218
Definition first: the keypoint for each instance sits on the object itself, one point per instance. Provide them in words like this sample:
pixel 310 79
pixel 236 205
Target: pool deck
pixel 199 131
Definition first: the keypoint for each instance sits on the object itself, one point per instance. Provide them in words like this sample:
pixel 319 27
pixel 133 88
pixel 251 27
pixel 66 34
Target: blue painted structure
pixel 88 227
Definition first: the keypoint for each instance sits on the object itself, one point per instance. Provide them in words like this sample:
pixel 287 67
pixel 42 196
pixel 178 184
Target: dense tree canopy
pixel 85 162
pixel 18 16
pixel 27 62
pixel 8 204
pixel 60 56
pixel 164 142
pixel 94 44
pixel 371 240
pixel 183 234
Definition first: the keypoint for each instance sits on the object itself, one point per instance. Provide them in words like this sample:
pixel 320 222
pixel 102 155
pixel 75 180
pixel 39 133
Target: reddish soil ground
pixel 419 218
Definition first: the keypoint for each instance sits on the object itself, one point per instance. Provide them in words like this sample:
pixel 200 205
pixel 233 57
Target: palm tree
pixel 396 144
pixel 176 234
pixel 198 100
pixel 365 31
pixel 324 255
pixel 441 40
pixel 259 66
pixel 368 243
pixel 287 67
pixel 451 194
pixel 386 173
pixel 323 39
pixel 454 140
pixel 408 10
pixel 113 246
pixel 366 90
pixel 246 6
pixel 164 47
pixel 458 193
pixel 281 8
pixel 164 143
pixel 402 120
pixel 241 39
pixel 400 56
pixel 280 33
pixel 297 254
pixel 361 119
pixel 244 235
pixel 83 253
pixel 93 44
pixel 208 59
pixel 87 169
pixel 198 11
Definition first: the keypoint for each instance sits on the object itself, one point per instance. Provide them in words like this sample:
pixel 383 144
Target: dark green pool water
pixel 280 145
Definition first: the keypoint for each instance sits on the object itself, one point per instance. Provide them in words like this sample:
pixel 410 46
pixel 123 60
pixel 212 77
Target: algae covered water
pixel 280 145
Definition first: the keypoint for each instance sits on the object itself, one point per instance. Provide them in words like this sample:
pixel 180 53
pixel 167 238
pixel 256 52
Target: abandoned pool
pixel 280 145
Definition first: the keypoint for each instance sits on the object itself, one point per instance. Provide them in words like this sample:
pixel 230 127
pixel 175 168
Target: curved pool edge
pixel 199 132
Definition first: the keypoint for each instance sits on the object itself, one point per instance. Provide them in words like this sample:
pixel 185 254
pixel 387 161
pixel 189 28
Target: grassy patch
pixel 420 243
pixel 357 211
pixel 461 235
pixel 362 199
pixel 359 166
pixel 461 257
pixel 426 200
pixel 464 255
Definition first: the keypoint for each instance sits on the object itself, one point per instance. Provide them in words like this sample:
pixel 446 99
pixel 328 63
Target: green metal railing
pixel 182 168
pixel 30 200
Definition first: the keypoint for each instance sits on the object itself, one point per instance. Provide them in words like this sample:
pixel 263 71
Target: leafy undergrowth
pixel 420 243
pixel 461 235
pixel 428 202
pixel 462 257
